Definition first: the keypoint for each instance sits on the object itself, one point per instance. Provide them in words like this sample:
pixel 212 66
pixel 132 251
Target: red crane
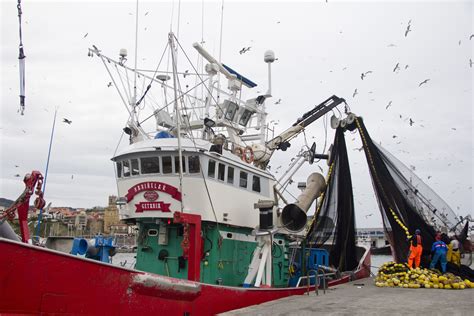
pixel 21 205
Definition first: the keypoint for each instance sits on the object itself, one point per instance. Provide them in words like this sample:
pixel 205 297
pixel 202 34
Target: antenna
pixel 269 58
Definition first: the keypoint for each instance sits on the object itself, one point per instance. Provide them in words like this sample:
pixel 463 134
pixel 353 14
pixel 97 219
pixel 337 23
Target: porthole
pixel 229 235
pixel 152 232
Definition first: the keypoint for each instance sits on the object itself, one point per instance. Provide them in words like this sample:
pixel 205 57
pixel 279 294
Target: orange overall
pixel 415 251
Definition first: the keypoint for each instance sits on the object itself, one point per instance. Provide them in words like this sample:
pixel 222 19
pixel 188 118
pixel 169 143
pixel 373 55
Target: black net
pixel 400 218
pixel 334 221
pixel 407 204
pixel 421 197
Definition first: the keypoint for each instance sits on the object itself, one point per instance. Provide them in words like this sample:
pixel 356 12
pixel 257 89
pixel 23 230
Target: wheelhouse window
pixel 126 168
pixel 221 172
pixel 150 165
pixel 256 184
pixel 176 164
pixel 232 108
pixel 135 169
pixel 244 119
pixel 193 164
pixel 230 175
pixel 119 169
pixel 243 179
pixel 211 169
pixel 167 164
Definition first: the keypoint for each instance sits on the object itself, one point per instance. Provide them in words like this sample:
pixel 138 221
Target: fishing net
pixel 334 221
pixel 405 201
pixel 421 198
pixel 396 201
pixel 407 204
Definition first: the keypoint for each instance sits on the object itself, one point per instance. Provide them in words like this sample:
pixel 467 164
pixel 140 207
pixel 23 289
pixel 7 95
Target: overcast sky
pixel 322 49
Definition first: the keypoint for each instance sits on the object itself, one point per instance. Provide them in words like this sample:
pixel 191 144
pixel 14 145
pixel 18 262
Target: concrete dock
pixel 362 297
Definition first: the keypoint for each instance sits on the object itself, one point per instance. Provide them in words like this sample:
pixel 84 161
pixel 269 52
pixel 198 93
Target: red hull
pixel 35 280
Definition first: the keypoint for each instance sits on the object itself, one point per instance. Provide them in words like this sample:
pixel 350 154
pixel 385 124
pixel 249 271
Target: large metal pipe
pixel 6 231
pixel 87 247
pixel 293 216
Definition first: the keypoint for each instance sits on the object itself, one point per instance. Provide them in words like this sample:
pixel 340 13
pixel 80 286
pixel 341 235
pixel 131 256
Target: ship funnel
pixel 293 216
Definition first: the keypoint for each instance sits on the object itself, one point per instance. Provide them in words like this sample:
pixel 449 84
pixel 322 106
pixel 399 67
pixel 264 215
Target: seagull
pixel 429 177
pixel 146 13
pixel 453 128
pixel 470 62
pixel 396 67
pixel 394 136
pixel 366 216
pixel 278 102
pixel 344 68
pixel 17 175
pixel 86 35
pixel 423 82
pixel 388 105
pixel 23 131
pixel 407 30
pixel 355 93
pixel 109 84
pixel 16 166
pixel 65 120
pixel 359 149
pixel 391 45
pixel 411 122
pixel 363 75
pixel 406 66
pixel 459 43
pixel 244 50
pixel 72 176
pixel 278 22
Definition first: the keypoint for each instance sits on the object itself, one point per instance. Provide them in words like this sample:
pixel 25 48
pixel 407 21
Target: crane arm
pixel 282 141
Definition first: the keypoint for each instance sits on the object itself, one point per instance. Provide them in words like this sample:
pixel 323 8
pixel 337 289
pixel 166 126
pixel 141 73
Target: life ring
pixel 247 155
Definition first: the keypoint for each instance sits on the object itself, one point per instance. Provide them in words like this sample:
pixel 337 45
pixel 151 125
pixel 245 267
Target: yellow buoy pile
pixel 393 274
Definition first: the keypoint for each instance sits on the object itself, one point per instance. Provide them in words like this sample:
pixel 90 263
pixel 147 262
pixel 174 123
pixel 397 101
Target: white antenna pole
pixel 220 51
pixel 177 115
pixel 134 98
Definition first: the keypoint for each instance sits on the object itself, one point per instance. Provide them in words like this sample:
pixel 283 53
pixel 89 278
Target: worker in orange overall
pixel 416 248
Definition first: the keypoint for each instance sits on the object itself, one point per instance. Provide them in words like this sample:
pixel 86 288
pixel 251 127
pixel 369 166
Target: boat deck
pixel 362 297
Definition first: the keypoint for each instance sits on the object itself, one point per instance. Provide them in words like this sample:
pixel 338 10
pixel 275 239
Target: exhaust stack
pixel 293 216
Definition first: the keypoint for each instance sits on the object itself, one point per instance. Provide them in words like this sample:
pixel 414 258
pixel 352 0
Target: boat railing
pixel 318 274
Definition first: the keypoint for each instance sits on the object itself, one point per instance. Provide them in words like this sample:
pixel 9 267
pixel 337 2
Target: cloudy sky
pixel 322 49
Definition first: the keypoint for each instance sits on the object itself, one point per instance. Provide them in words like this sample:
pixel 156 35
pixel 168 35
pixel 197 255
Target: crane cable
pixel 21 58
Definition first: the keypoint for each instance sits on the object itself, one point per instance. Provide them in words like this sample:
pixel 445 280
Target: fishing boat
pixel 216 228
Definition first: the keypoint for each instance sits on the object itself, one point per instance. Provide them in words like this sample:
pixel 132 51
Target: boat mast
pixel 177 115
pixel 134 98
